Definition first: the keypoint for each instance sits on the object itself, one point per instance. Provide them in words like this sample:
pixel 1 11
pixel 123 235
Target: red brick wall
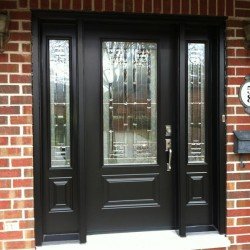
pixel 16 181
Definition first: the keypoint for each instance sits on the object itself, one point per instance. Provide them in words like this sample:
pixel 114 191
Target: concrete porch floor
pixel 153 240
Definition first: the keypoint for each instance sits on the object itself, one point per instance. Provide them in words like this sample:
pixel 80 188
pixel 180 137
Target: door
pixel 130 115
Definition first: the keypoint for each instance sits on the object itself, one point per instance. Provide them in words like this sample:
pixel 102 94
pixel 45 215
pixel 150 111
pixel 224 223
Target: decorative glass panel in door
pixel 129 102
pixel 196 102
pixel 59 102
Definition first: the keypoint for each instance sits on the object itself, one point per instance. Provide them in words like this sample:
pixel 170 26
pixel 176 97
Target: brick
pixel 234 23
pixel 21 99
pixel 242 13
pixel 109 5
pixel 13 25
pixel 20 36
pixel 23 183
pixel 4 58
pixel 28 193
pixel 9 89
pixel 26 26
pixel 243 221
pixel 212 8
pixel 11 46
pixel 24 224
pixel 185 7
pixel 27 110
pixel 5 204
pixel 167 6
pixel 27 130
pixel 20 78
pixel 45 4
pixel 3 140
pixel 26 47
pixel 26 68
pixel 8 4
pixel 10 214
pixel 243 52
pixel 4 162
pixel 243 71
pixel 9 130
pixel 129 6
pixel 230 33
pixel 87 5
pixel 10 194
pixel 239 62
pixel 28 172
pixel 176 7
pixel 10 151
pixel 243 185
pixel 8 68
pixel 34 4
pixel 3 100
pixel 29 213
pixel 22 162
pixel 236 43
pixel 76 4
pixel 3 79
pixel 194 7
pixel 138 5
pixel 29 234
pixel 11 235
pixel 8 110
pixel 24 140
pixel 28 151
pixel 66 4
pixel 229 7
pixel 98 5
pixel 238 194
pixel 157 6
pixel 55 4
pixel 242 4
pixel 238 212
pixel 244 203
pixel 23 3
pixel 20 58
pixel 21 119
pixel 221 7
pixel 236 80
pixel 24 244
pixel 238 176
pixel 9 173
pixel 3 119
pixel 243 239
pixel 20 204
pixel 20 15
pixel 230 222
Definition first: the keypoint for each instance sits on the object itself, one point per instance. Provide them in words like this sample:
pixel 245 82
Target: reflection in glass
pixel 196 105
pixel 59 102
pixel 129 102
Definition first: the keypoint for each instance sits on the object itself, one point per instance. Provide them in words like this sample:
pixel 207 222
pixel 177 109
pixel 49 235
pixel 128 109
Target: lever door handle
pixel 169 150
pixel 169 167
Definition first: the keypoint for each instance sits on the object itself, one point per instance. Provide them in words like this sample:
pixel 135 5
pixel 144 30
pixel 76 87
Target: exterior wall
pixel 16 167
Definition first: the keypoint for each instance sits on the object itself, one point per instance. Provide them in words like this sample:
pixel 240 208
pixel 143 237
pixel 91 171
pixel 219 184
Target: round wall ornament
pixel 244 94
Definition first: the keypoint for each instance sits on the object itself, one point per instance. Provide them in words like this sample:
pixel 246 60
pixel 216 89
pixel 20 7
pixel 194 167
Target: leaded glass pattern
pixel 129 102
pixel 59 102
pixel 196 102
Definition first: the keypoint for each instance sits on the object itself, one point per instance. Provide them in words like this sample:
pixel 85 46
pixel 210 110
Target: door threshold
pixel 146 241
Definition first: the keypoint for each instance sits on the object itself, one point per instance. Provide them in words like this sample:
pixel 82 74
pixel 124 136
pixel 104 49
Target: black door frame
pixel 217 24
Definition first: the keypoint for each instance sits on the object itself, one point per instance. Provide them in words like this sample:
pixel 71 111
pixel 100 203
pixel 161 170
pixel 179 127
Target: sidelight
pixel 129 102
pixel 196 102
pixel 59 76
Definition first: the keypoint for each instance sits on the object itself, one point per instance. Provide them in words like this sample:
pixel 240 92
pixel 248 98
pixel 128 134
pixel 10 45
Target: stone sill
pixel 160 240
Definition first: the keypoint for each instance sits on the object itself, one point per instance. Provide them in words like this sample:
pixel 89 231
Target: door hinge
pixel 223 118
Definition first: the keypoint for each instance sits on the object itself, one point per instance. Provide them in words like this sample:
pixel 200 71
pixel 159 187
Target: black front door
pixel 130 114
pixel 126 134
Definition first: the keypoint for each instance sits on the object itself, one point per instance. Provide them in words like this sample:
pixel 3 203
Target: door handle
pixel 169 167
pixel 169 150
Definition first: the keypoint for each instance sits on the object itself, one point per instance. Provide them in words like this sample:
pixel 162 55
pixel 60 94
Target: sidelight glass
pixel 59 102
pixel 196 102
pixel 129 102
